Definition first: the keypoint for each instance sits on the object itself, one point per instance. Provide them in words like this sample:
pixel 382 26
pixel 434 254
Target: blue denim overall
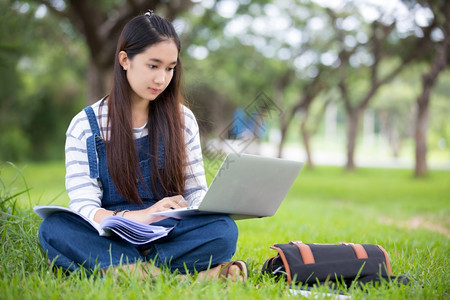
pixel 194 244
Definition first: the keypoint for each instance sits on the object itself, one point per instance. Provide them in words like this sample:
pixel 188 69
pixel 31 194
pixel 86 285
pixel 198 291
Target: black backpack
pixel 345 263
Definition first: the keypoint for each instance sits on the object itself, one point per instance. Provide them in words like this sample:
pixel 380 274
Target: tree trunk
pixel 99 81
pixel 352 133
pixel 306 136
pixel 285 119
pixel 423 101
pixel 421 168
pixel 284 129
pixel 395 142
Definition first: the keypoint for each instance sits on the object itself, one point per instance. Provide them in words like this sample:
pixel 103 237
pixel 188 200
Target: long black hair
pixel 165 119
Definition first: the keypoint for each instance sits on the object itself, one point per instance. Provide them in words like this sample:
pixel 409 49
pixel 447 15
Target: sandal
pixel 243 270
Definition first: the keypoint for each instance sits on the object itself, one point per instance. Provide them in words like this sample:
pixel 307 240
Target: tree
pixel 32 117
pixel 439 62
pixel 293 68
pixel 394 109
pixel 356 107
pixel 309 126
pixel 389 52
pixel 100 22
pixel 307 93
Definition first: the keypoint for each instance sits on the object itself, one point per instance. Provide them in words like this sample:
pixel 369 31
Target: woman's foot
pixel 236 270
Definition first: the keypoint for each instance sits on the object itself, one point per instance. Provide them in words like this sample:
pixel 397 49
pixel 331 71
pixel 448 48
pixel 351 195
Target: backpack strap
pixel 360 252
pixel 386 257
pixel 285 262
pixel 305 251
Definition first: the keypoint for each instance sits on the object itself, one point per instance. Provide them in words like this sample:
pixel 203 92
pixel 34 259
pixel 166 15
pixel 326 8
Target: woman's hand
pixel 145 216
pixel 168 203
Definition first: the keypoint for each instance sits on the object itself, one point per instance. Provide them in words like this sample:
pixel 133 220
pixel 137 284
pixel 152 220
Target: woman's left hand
pixel 146 216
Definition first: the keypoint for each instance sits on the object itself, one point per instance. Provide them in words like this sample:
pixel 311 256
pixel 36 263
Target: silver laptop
pixel 246 186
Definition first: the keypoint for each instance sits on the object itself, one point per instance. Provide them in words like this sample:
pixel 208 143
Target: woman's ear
pixel 123 60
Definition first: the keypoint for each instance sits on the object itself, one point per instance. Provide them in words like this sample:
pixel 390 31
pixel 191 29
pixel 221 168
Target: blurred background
pixel 350 83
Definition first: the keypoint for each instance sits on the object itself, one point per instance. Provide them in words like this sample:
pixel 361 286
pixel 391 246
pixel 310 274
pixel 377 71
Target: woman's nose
pixel 160 77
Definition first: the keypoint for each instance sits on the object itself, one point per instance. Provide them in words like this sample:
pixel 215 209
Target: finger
pixel 179 201
pixel 182 202
pixel 176 203
pixel 173 203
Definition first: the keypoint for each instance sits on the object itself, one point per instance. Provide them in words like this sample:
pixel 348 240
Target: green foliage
pixel 40 82
pixel 407 216
pixel 43 63
pixel 13 143
pixel 13 38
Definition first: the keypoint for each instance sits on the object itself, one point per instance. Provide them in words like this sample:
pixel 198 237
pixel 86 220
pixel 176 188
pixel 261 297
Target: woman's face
pixel 150 72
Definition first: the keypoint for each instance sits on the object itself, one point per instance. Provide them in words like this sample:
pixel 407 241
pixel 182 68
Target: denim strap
pixel 90 142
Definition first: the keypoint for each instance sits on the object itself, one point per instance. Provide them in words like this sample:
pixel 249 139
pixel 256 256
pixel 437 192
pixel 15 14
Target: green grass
pixel 44 180
pixel 409 217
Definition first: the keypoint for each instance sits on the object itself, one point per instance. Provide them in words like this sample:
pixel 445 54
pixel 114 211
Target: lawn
pixel 409 217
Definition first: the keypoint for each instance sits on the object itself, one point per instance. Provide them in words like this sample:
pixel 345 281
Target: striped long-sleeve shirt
pixel 85 193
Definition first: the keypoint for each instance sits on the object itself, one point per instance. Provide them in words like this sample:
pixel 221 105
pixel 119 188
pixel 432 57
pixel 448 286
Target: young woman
pixel 136 152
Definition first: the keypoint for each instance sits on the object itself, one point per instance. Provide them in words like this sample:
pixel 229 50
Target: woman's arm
pixel 85 193
pixel 196 187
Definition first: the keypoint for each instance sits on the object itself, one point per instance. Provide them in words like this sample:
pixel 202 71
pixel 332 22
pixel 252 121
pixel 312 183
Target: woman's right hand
pixel 146 216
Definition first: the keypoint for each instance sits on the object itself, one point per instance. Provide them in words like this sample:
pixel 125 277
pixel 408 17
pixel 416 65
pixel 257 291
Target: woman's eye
pixel 152 66
pixel 170 69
